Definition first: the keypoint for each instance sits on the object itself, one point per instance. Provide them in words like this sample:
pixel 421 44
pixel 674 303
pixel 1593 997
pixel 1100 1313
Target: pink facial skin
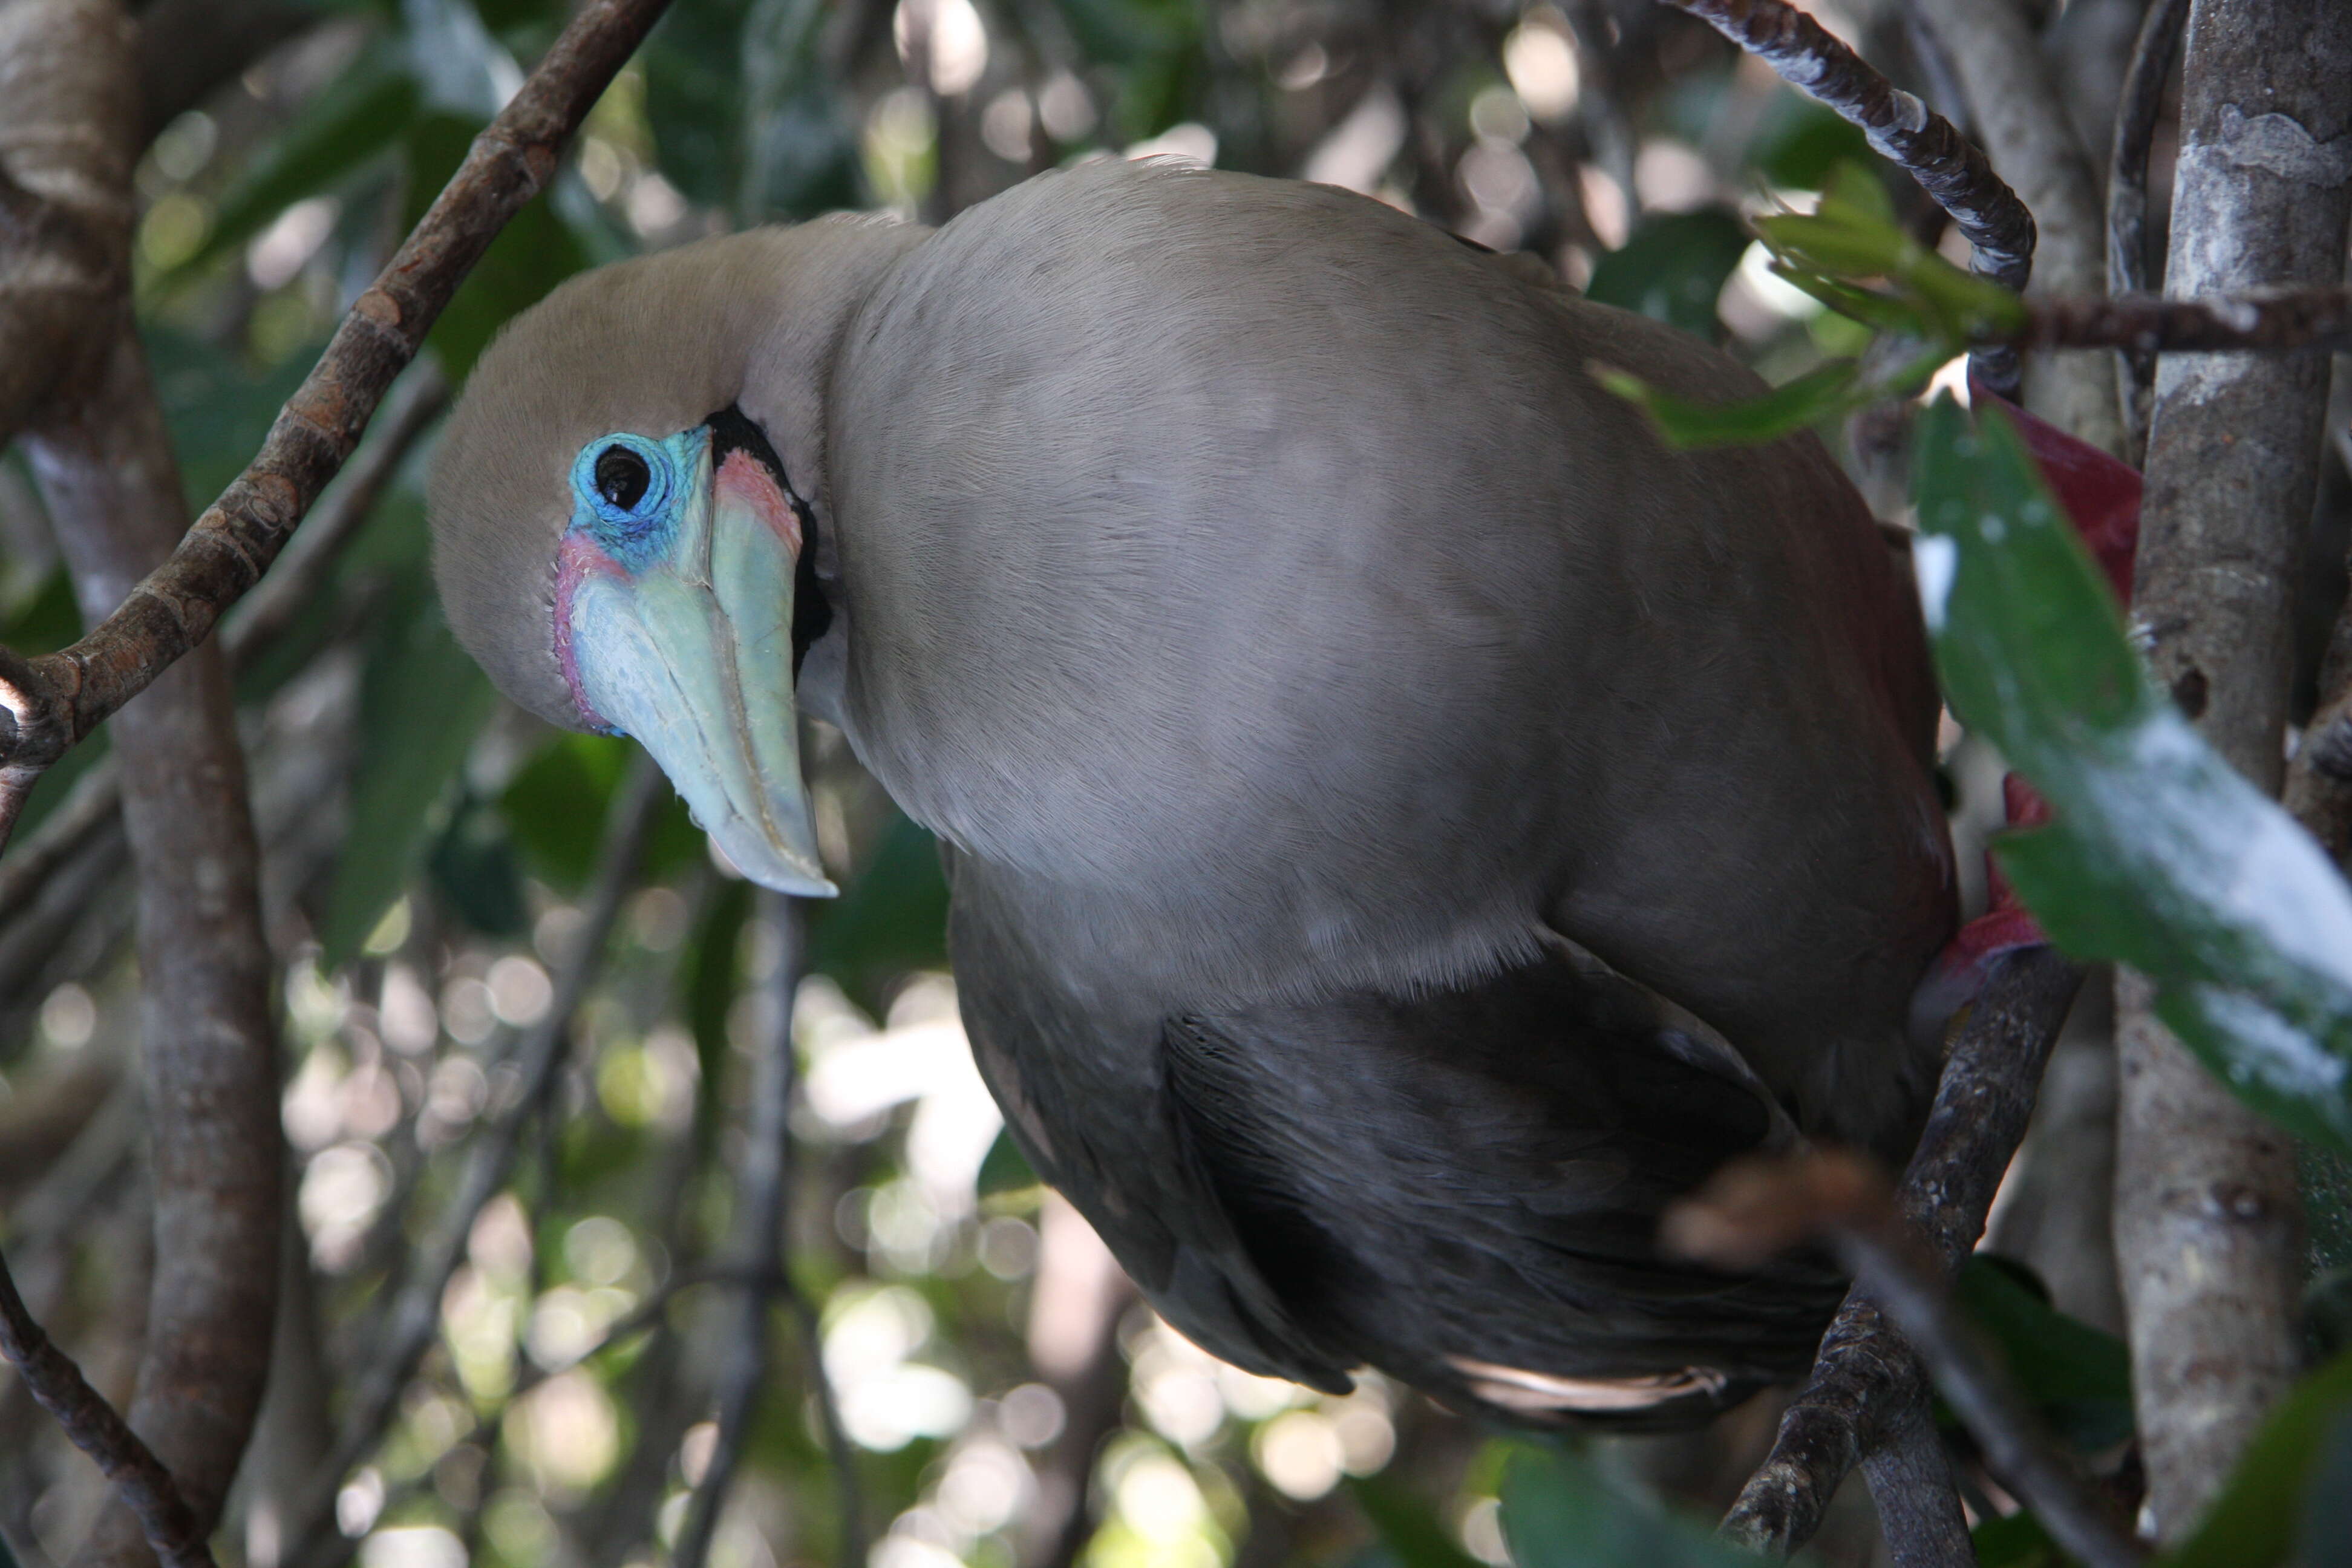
pixel 745 480
pixel 576 557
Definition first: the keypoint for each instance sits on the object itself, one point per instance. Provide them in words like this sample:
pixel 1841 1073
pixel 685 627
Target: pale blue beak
pixel 674 614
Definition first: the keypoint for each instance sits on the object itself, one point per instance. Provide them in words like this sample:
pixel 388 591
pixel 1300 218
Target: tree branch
pixel 68 112
pixel 763 1188
pixel 210 1042
pixel 2127 260
pixel 249 630
pixel 2207 1214
pixel 1854 1401
pixel 48 704
pixel 1755 1209
pixel 2021 117
pixel 1900 128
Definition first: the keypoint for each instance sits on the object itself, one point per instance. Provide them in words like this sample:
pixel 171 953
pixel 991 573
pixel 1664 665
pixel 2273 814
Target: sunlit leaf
pixel 2162 857
pixel 1674 267
pixel 1793 406
pixel 2270 1495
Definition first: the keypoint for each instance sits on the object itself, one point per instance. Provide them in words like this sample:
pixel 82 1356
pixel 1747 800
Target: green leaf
pixel 1787 408
pixel 2016 1540
pixel 2254 1522
pixel 1674 267
pixel 530 255
pixel 2161 856
pixel 2078 1376
pixel 1408 1527
pixel 708 976
pixel 555 805
pixel 47 621
pixel 422 702
pixel 1558 1512
pixel 357 120
pixel 744 116
pixel 891 919
pixel 475 869
pixel 1799 141
pixel 1005 1169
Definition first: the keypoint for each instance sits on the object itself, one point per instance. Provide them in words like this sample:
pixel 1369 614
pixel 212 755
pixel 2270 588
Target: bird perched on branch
pixel 1406 824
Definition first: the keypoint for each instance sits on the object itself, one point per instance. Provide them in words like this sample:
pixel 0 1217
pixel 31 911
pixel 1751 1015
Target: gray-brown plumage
pixel 1405 824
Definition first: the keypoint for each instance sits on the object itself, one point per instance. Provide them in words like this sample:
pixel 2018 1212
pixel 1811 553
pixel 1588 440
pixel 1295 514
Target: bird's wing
pixel 1078 1079
pixel 1462 1188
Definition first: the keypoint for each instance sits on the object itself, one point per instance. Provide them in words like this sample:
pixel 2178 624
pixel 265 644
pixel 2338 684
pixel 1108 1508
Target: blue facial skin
pixel 642 532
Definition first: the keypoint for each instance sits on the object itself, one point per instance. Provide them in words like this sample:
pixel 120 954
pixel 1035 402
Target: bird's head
pixel 618 539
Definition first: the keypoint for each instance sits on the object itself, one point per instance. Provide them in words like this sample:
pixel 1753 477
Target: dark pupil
pixel 622 477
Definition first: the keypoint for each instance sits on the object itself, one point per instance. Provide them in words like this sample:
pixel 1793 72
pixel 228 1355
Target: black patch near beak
pixel 731 430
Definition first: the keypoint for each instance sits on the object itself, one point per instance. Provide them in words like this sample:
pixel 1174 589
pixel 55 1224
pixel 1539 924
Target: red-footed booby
pixel 1405 824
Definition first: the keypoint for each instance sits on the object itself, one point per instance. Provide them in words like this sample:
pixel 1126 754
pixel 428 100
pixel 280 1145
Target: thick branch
pixel 69 110
pixel 2206 1209
pixel 48 704
pixel 210 1049
pixel 1901 129
pixel 1755 1209
pixel 1864 1376
pixel 2021 116
pixel 255 624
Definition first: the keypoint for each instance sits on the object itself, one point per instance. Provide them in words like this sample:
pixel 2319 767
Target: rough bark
pixel 2206 1217
pixel 48 704
pixel 1865 1378
pixel 2021 117
pixel 69 110
pixel 1900 128
pixel 106 469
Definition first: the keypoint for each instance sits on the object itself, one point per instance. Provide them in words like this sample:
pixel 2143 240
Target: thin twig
pixel 413 1320
pixel 2128 257
pixel 1947 165
pixel 1980 1115
pixel 1757 1208
pixel 48 704
pixel 252 628
pixel 2274 320
pixel 764 1189
pixel 100 1431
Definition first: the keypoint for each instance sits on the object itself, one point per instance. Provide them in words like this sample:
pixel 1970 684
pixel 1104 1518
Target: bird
pixel 1405 824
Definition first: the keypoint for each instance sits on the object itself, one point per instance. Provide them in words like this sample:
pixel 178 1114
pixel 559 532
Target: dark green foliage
pixel 423 703
pixel 1560 1512
pixel 2159 843
pixel 1673 267
pixel 2079 1377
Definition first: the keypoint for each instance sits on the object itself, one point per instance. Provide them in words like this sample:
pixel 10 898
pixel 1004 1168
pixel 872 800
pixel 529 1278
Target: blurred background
pixel 531 1021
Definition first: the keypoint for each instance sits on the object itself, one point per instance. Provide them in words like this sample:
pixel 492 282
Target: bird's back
pixel 1264 571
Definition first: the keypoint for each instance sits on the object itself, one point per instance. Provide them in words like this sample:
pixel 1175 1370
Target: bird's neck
pixel 819 275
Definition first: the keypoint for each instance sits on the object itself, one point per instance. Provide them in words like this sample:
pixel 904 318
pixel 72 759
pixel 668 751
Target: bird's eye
pixel 622 477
